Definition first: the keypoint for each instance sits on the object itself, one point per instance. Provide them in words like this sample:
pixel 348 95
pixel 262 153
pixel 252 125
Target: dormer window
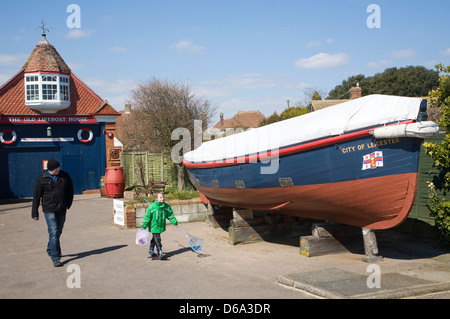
pixel 47 93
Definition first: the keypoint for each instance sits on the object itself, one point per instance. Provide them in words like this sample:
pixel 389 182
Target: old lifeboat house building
pixel 46 111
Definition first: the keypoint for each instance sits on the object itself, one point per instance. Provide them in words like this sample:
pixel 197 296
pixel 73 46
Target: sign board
pixel 47 139
pixel 119 212
pixel 48 119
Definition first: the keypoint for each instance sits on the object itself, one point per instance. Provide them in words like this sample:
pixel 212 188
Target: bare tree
pixel 311 93
pixel 159 107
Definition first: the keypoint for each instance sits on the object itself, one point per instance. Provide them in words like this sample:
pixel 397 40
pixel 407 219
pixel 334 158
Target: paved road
pixel 101 260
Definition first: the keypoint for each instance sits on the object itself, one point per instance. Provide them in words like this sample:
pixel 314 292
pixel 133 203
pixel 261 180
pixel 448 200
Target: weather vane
pixel 43 28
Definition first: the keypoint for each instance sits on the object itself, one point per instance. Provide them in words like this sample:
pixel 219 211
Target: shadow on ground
pixel 92 252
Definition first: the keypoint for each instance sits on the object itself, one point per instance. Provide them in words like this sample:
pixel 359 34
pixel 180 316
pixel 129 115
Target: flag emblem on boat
pixel 373 160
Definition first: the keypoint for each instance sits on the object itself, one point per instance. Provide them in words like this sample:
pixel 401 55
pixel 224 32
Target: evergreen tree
pixel 411 81
pixel 440 153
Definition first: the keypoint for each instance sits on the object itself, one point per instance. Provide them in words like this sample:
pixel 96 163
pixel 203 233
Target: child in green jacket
pixel 155 220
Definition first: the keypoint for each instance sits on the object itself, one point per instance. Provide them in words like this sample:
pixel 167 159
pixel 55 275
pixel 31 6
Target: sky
pixel 238 54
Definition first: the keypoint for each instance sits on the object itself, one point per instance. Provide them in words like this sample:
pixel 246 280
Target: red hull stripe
pixel 287 150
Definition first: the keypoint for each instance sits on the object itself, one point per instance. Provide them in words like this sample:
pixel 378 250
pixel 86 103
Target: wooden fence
pixel 140 167
pixel 427 172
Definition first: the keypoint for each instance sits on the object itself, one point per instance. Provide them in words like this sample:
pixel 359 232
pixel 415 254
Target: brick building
pixel 47 111
pixel 242 119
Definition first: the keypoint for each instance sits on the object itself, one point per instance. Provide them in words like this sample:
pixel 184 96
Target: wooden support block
pixel 311 246
pixel 218 216
pixel 242 214
pixel 248 226
pixel 320 231
pixel 251 234
pixel 237 235
pixel 247 222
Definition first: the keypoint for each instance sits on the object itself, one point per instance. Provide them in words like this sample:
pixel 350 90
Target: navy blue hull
pixel 362 182
pixel 330 164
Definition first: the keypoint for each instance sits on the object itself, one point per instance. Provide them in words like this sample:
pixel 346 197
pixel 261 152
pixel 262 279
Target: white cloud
pixel 13 59
pixel 430 63
pixel 78 33
pixel 303 85
pixel 116 91
pixel 211 92
pixel 118 101
pixel 377 64
pixel 75 66
pixel 5 77
pixel 313 44
pixel 394 55
pixel 186 46
pixel 114 86
pixel 231 84
pixel 403 54
pixel 300 85
pixel 446 52
pixel 322 60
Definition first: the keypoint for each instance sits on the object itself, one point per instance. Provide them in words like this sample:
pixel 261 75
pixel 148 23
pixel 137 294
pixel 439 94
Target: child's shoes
pixel 161 254
pixel 151 252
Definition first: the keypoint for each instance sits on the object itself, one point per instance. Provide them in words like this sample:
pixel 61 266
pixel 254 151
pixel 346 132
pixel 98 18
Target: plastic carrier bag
pixel 142 237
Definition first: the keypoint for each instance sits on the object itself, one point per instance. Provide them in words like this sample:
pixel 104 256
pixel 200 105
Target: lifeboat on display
pixel 353 163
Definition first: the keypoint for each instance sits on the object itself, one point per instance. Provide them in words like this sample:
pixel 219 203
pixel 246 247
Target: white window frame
pixel 64 88
pixel 57 98
pixel 32 88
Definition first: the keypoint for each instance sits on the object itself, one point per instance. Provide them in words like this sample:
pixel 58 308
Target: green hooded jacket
pixel 155 217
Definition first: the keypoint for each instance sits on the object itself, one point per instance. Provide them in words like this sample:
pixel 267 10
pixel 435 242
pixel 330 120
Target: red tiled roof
pixel 45 58
pixel 244 119
pixel 321 104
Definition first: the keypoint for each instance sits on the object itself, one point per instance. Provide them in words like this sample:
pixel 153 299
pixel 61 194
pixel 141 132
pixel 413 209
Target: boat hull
pixel 362 182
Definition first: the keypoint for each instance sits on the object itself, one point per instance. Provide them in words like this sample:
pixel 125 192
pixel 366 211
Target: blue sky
pixel 240 55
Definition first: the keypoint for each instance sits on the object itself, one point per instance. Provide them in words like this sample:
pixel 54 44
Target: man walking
pixel 55 188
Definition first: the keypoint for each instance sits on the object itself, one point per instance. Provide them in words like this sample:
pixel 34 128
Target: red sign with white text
pixel 46 119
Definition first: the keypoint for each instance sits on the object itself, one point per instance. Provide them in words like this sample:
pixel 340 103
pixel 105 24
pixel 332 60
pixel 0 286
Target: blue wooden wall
pixel 21 162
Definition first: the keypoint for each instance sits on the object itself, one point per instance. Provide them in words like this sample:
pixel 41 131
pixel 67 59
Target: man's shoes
pixel 57 263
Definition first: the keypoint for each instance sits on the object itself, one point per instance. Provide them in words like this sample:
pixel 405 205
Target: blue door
pixel 72 165
pixel 24 166
pixel 22 162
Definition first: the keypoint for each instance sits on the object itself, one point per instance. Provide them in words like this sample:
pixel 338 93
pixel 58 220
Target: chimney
pixel 127 108
pixel 221 119
pixel 355 92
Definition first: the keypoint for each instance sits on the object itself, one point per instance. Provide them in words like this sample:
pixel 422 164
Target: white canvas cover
pixel 335 120
pixel 417 129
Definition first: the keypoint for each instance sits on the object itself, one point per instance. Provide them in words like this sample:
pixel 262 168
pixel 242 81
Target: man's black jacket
pixel 56 197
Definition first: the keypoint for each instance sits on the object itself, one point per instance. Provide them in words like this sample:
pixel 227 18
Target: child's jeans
pixel 156 242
